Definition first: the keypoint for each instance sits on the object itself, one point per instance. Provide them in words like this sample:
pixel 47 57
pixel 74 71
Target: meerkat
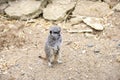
pixel 52 46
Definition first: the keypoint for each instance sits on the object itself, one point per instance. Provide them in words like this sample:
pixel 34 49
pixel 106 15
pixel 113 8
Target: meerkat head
pixel 55 32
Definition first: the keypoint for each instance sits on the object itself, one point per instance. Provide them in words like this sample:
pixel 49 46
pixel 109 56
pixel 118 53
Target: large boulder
pixel 58 9
pixel 95 23
pixel 24 9
pixel 92 9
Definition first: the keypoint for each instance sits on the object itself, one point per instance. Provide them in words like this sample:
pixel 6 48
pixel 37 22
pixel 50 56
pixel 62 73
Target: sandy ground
pixel 84 58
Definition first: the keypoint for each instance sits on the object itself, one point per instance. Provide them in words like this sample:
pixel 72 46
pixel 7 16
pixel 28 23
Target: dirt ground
pixel 84 58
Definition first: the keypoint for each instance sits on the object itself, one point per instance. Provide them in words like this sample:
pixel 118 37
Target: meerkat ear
pixel 50 32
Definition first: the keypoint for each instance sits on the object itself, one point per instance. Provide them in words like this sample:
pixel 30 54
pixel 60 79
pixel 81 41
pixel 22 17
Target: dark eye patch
pixel 56 32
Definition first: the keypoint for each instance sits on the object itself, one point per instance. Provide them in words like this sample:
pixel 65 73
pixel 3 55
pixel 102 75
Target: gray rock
pixel 92 9
pixel 24 9
pixel 58 9
pixel 76 20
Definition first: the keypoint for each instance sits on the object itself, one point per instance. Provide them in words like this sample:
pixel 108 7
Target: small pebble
pixel 90 45
pixel 96 51
pixel 69 42
pixel 115 40
pixel 22 74
pixel 118 46
pixel 17 65
pixel 83 51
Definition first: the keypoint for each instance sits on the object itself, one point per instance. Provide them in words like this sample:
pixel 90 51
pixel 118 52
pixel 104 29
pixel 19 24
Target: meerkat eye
pixel 50 32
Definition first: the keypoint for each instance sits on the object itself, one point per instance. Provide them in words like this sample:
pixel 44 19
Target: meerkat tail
pixel 44 58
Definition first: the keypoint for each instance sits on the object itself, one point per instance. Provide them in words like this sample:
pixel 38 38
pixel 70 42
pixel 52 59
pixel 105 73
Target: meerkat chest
pixel 55 45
